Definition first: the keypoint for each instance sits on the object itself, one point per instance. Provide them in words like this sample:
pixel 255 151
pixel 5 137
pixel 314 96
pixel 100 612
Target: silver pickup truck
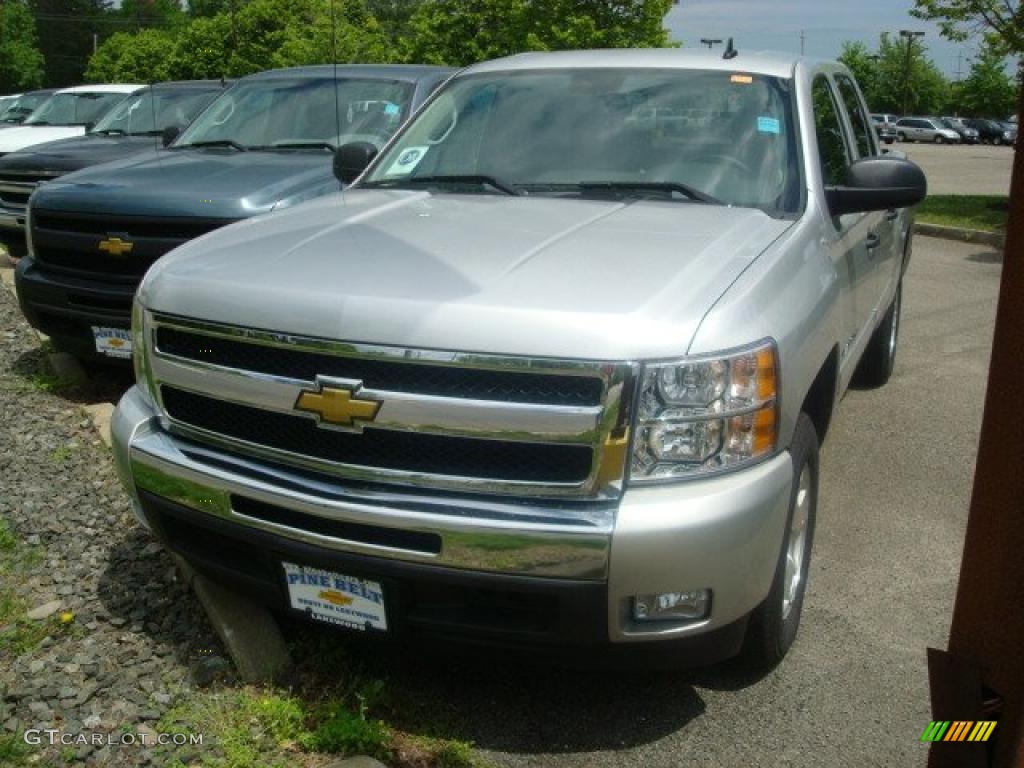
pixel 552 372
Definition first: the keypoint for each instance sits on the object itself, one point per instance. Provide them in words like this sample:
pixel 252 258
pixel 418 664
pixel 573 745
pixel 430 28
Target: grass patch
pixel 983 212
pixel 18 633
pixel 13 751
pixel 266 728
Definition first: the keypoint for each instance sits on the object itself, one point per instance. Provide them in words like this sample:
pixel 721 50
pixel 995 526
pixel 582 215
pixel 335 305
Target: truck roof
pixel 410 72
pixel 755 62
pixel 103 88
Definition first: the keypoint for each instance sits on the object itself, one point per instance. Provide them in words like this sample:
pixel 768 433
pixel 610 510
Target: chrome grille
pixel 464 422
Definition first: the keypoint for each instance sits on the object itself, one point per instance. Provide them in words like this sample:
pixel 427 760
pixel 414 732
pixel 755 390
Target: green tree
pixel 136 57
pixel 864 66
pixel 1001 21
pixel 152 13
pixel 262 34
pixel 907 80
pixel 464 31
pixel 988 91
pixel 67 41
pixel 21 62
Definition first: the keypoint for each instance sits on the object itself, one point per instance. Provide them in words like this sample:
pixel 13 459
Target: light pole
pixel 710 43
pixel 909 35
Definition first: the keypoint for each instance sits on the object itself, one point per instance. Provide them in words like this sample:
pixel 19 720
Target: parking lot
pixel 896 478
pixel 976 169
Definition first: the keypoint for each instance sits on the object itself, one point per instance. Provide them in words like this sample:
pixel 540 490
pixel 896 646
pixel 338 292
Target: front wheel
pixel 902 136
pixel 773 624
pixel 940 140
pixel 996 142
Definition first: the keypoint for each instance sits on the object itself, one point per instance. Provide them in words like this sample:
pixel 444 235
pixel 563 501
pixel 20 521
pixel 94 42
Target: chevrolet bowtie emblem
pixel 115 246
pixel 337 406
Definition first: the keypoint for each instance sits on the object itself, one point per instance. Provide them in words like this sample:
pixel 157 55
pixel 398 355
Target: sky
pixel 776 25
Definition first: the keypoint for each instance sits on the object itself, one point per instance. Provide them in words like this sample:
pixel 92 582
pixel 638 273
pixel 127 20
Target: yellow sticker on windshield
pixel 745 79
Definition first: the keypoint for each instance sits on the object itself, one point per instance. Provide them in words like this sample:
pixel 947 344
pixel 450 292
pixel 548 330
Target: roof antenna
pixel 730 51
pixel 334 60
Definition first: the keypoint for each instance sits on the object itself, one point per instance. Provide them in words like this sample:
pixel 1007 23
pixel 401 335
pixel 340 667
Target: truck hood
pixel 29 135
pixel 208 183
pixel 568 278
pixel 67 155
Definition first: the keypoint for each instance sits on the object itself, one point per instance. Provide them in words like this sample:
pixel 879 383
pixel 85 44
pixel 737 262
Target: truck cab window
pixel 858 118
pixel 832 151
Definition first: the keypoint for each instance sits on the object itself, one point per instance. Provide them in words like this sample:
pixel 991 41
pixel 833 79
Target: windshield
pixel 301 113
pixel 708 136
pixel 74 108
pixel 135 115
pixel 17 110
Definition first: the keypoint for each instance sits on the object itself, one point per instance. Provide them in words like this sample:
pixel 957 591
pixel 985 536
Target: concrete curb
pixel 247 629
pixel 994 239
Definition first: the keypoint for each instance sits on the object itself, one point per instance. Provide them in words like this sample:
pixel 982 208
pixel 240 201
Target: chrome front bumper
pixel 723 534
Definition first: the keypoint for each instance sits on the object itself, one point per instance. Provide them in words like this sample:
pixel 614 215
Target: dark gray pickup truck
pixel 132 128
pixel 265 144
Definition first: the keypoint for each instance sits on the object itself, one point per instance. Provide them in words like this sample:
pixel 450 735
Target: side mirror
pixel 352 159
pixel 878 184
pixel 170 133
pixel 89 126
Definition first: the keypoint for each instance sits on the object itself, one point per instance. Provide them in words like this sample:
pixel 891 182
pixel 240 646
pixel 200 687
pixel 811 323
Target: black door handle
pixel 892 214
pixel 873 241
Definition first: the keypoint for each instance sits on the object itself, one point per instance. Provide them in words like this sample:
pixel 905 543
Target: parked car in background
pixel 885 125
pixel 16 111
pixel 132 127
pixel 266 143
pixel 967 134
pixel 989 131
pixel 1009 132
pixel 66 113
pixel 5 101
pixel 925 129
pixel 545 375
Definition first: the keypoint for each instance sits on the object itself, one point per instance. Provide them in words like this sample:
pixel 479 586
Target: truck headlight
pixel 707 413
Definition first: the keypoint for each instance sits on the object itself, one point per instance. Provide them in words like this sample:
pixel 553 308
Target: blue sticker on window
pixel 768 125
pixel 391 109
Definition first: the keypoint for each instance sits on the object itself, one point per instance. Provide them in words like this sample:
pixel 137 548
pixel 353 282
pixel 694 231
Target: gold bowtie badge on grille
pixel 337 406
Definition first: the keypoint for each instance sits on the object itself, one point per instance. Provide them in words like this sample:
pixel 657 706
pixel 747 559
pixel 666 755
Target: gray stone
pixel 359 761
pixel 247 629
pixel 45 610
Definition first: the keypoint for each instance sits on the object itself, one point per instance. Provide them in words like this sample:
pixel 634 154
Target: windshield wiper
pixel 486 181
pixel 297 145
pixel 213 143
pixel 651 186
pixel 143 133
pixel 38 122
pixel 109 132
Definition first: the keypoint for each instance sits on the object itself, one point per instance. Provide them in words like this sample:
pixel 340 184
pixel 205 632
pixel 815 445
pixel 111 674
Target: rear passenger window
pixel 858 118
pixel 832 152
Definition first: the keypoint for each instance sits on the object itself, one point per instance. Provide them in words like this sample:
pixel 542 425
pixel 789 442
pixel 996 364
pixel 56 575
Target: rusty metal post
pixel 987 632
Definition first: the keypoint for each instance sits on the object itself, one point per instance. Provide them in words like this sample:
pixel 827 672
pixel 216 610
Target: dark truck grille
pixel 15 188
pixel 382 449
pixel 69 242
pixel 420 378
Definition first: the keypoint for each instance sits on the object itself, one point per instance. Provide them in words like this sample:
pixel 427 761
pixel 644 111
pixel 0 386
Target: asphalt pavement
pixel 896 477
pixel 976 169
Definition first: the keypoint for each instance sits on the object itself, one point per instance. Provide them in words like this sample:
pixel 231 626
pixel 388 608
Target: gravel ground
pixel 138 640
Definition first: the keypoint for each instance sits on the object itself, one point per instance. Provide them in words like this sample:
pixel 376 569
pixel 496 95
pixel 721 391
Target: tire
pixel 940 140
pixel 889 141
pixel 773 625
pixel 876 364
pixel 996 141
pixel 902 136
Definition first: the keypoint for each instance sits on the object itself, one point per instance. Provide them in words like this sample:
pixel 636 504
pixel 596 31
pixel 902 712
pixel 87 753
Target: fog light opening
pixel 672 606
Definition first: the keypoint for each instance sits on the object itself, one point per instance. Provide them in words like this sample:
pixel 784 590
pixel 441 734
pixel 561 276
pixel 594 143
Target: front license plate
pixel 336 598
pixel 113 342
